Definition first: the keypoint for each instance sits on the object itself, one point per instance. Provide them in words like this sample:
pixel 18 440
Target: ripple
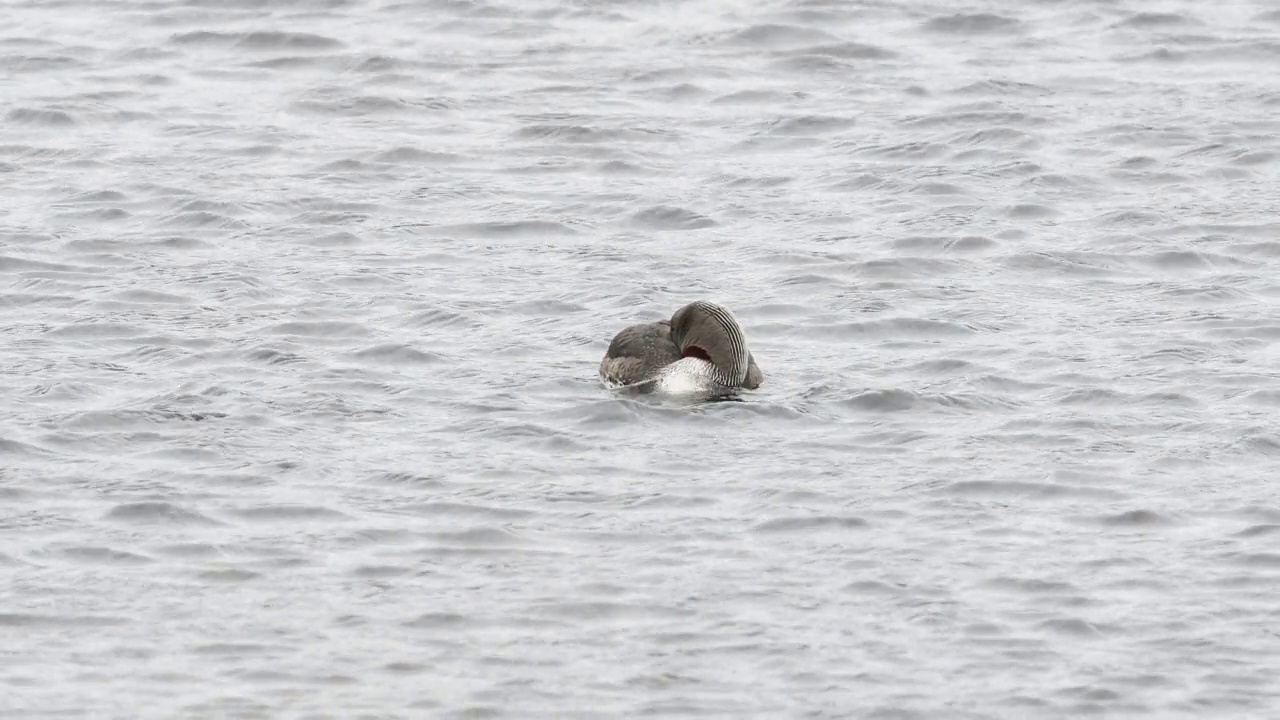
pixel 1031 585
pixel 34 63
pixel 981 119
pixel 809 125
pixel 892 328
pixel 380 571
pixel 319 328
pixel 594 612
pixel 233 649
pixel 620 167
pixel 272 356
pixel 98 330
pixel 478 537
pixel 1008 488
pixel 753 97
pixel 289 513
pixel 1156 20
pixel 588 134
pixel 409 479
pixel 911 150
pixel 664 217
pixel 898 400
pixel 189 550
pixel 398 354
pixel 148 297
pixel 1002 87
pixel 260 41
pixel 774 36
pixel 414 156
pixel 1073 627
pixel 851 51
pixel 24 620
pixel 40 117
pixel 294 62
pixel 516 228
pixel 434 620
pixel 203 220
pixel 368 105
pixel 809 524
pixel 230 575
pixel 1083 264
pixel 454 510
pixel 1135 519
pixel 14 447
pixel 972 24
pixel 543 308
pixel 1260 530
pixel 145 513
pixel 104 556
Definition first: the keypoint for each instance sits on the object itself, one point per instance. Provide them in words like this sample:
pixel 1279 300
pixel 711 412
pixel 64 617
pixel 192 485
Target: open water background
pixel 302 305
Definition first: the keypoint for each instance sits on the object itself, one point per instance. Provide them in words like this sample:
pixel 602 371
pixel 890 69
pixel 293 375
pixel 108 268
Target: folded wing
pixel 638 353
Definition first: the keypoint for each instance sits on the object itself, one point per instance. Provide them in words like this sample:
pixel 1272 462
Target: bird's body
pixel 700 350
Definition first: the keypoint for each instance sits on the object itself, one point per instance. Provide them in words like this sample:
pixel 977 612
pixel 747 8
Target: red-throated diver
pixel 700 350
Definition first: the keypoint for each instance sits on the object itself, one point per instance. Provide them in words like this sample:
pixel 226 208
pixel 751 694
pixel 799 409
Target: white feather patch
pixel 687 376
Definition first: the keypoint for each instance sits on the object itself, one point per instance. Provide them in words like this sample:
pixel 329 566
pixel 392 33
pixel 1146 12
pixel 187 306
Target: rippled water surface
pixel 303 303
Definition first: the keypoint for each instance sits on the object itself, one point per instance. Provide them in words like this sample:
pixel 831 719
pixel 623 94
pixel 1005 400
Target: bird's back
pixel 639 353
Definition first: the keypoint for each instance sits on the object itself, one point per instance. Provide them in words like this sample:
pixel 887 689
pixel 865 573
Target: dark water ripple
pixel 303 304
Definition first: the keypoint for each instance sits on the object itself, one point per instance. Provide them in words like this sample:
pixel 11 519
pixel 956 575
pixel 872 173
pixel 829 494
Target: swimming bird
pixel 701 349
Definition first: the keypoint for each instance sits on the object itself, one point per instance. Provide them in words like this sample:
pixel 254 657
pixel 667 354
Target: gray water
pixel 303 303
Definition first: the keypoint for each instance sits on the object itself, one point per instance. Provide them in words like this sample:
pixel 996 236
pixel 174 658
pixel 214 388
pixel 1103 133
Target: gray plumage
pixel 700 329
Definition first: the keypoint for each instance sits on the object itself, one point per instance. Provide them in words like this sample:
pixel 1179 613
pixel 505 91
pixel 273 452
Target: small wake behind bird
pixel 700 351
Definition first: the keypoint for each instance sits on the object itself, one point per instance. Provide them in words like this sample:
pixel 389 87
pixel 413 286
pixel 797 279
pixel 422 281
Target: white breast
pixel 687 376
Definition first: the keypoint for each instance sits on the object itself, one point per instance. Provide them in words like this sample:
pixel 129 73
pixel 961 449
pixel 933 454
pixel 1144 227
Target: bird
pixel 700 350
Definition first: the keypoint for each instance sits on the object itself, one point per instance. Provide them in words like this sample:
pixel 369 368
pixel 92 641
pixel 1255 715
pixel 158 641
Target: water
pixel 303 304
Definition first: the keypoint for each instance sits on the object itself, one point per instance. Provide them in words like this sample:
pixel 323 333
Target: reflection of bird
pixel 700 350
